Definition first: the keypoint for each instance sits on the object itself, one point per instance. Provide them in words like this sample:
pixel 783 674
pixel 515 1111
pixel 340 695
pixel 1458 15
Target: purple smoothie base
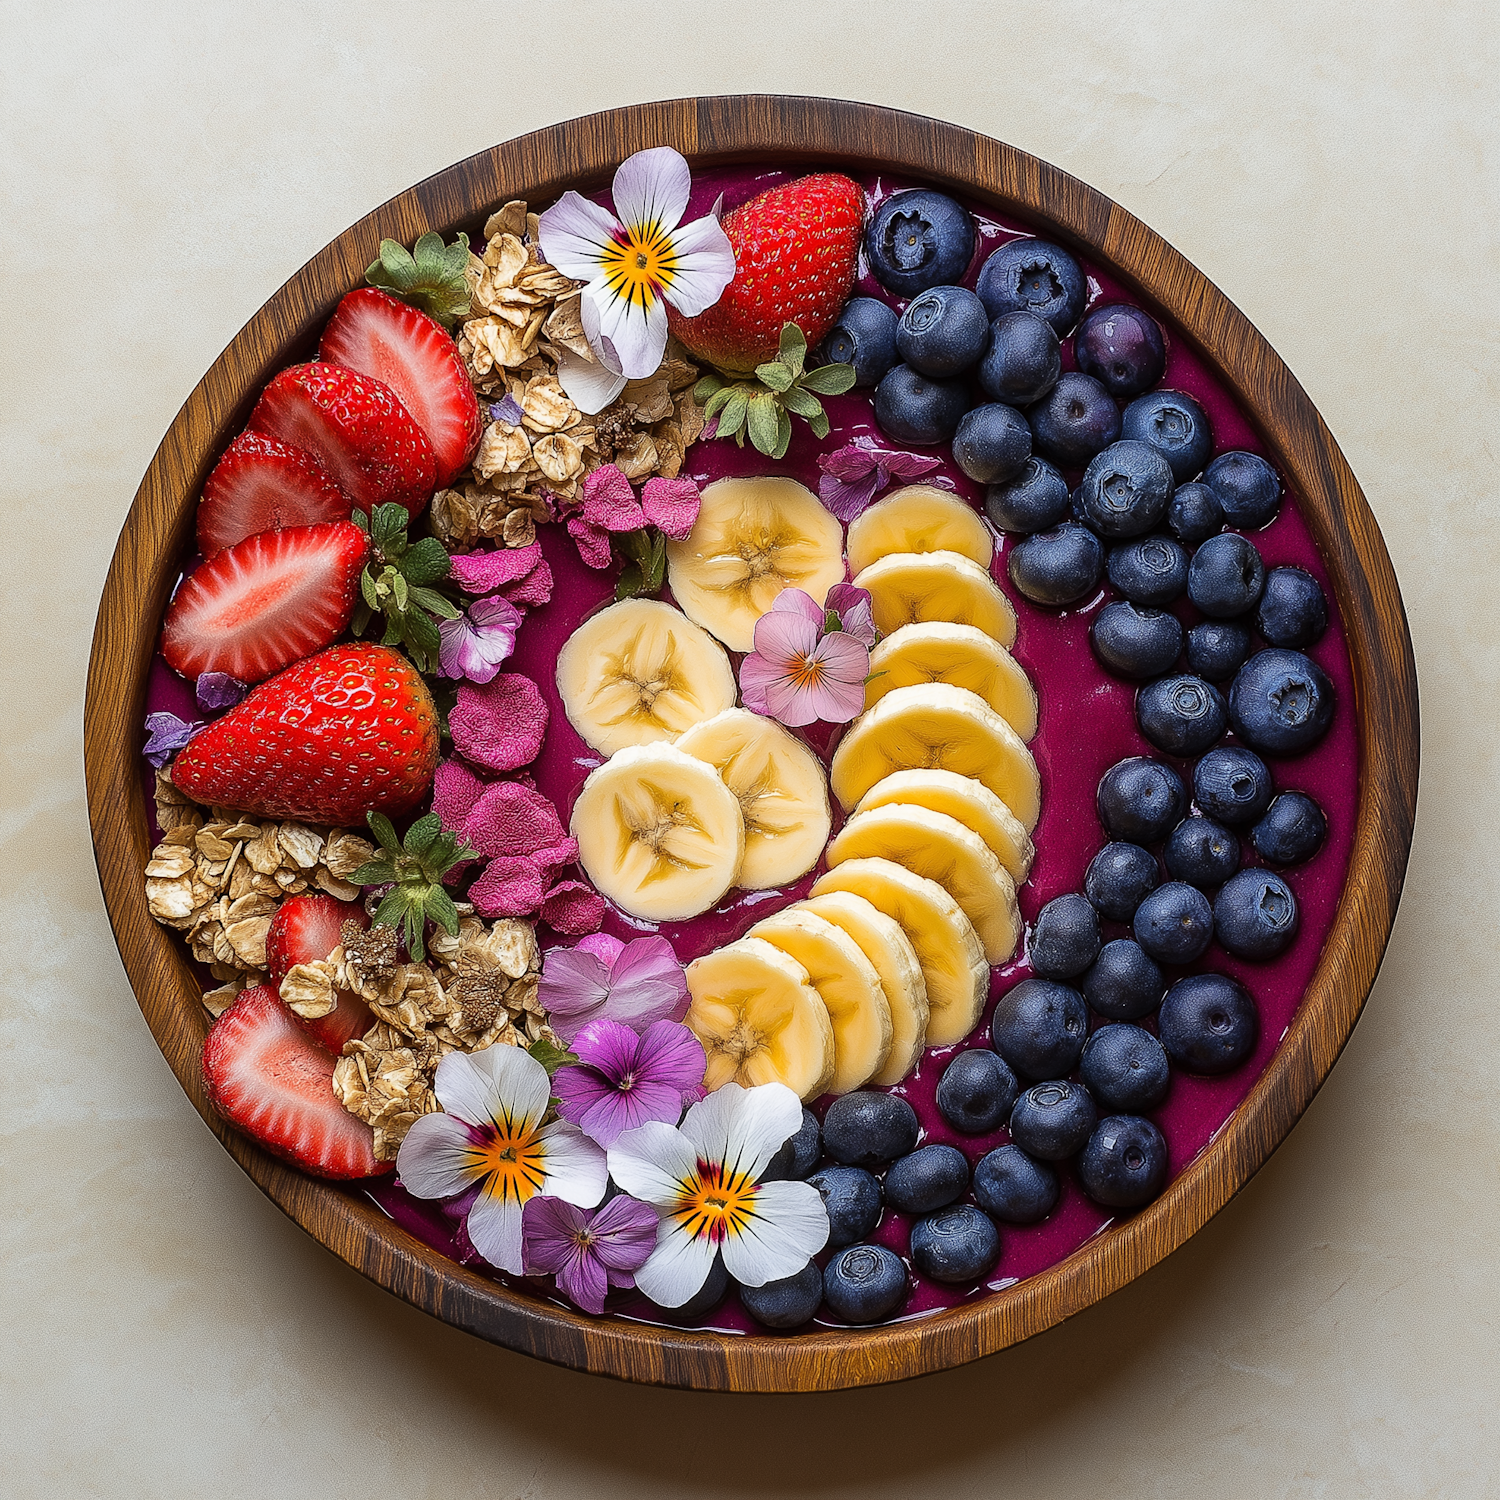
pixel 1087 724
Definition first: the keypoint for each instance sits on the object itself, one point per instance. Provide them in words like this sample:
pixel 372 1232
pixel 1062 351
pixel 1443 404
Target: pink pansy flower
pixel 587 1253
pixel 799 670
pixel 478 641
pixel 634 266
pixel 625 1078
pixel 602 978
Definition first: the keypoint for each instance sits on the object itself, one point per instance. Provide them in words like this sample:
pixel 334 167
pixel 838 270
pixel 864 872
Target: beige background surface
pixel 164 1331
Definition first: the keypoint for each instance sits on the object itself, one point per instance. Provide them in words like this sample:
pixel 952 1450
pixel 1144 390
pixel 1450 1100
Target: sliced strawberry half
pixel 267 1076
pixel 358 428
pixel 306 929
pixel 265 602
pixel 263 485
pixel 415 355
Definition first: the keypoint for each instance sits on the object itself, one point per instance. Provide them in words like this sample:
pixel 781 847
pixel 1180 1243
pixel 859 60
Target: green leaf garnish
pixel 430 275
pixel 414 869
pixel 396 586
pixel 551 1057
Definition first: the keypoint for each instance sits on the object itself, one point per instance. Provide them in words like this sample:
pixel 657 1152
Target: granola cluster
pixel 525 319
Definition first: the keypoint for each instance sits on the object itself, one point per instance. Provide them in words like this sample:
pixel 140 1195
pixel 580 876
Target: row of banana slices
pixel 891 951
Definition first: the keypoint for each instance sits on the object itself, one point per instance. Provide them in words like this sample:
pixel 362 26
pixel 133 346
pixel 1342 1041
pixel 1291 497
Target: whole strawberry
pixel 349 731
pixel 796 249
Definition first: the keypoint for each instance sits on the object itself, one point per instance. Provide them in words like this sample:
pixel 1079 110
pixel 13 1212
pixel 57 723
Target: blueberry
pixel 1058 567
pixel 1256 915
pixel 1052 1120
pixel 1194 513
pixel 1065 940
pixel 1202 853
pixel 1034 500
pixel 1175 425
pixel 865 337
pixel 1013 1188
pixel 800 1153
pixel 1281 702
pixel 992 444
pixel 1292 830
pixel 1140 800
pixel 1175 923
pixel 1122 348
pixel 1125 982
pixel 919 239
pixel 852 1197
pixel 866 1128
pixel 957 1245
pixel 1247 488
pixel 1208 1023
pixel 913 409
pixel 1125 1162
pixel 1181 715
pixel 1136 642
pixel 1118 879
pixel 705 1299
pixel 1022 362
pixel 977 1091
pixel 1226 576
pixel 1075 420
pixel 1216 649
pixel 1034 276
pixel 930 1178
pixel 864 1283
pixel 1125 490
pixel 1150 571
pixel 1125 1068
pixel 1232 784
pixel 787 1303
pixel 1293 611
pixel 1039 1028
pixel 943 332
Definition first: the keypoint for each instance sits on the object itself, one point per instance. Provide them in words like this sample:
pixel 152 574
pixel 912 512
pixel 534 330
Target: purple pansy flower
pixel 602 978
pixel 855 474
pixel 588 1252
pixel 623 1079
pixel 476 642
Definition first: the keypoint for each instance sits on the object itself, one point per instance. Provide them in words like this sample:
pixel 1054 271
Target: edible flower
pixel 166 735
pixel 602 978
pixel 634 265
pixel 624 1078
pixel 491 1136
pixel 218 690
pixel 703 1179
pixel 855 474
pixel 807 664
pixel 587 1253
pixel 478 640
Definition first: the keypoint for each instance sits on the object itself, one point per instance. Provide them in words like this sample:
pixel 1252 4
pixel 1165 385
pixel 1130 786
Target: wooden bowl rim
pixel 713 131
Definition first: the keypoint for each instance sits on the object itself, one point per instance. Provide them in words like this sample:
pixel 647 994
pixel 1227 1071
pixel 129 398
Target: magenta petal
pixel 624 1234
pixel 849 464
pixel 669 1053
pixel 846 501
pixel 604 947
pixel 624 1110
pixel 672 506
pixel 573 988
pixel 609 1046
pixel 483 572
pixel 593 542
pixel 584 1281
pixel 579 1090
pixel 549 1231
pixel 907 465
pixel 646 983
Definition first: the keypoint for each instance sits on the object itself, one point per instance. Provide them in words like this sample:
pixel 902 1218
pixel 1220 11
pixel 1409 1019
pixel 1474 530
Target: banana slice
pixel 639 672
pixel 946 944
pixel 934 725
pixel 658 832
pixel 759 1019
pixel 964 798
pixel 782 791
pixel 849 986
pixel 920 518
pixel 962 656
pixel 895 960
pixel 907 587
pixel 754 537
pixel 941 848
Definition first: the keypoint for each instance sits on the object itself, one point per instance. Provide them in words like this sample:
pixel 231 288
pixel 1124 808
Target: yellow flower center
pixel 806 672
pixel 716 1203
pixel 640 264
pixel 512 1159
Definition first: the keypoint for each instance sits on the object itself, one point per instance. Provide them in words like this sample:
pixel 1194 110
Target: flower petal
pixel 589 384
pixel 580 1089
pixel 705 266
pixel 638 333
pixel 573 988
pixel 434 1160
pixel 800 602
pixel 670 1054
pixel 620 1110
pixel 743 1128
pixel 583 1280
pixel 624 1232
pixel 574 233
pixel 550 1228
pixel 516 1086
pixel 651 189
pixel 592 542
pixel 653 1162
pixel 646 983
pixel 789 1227
pixel 494 1226
pixel 609 1047
pixel 604 947
pixel 677 1267
pixel 574 1165
pixel 672 505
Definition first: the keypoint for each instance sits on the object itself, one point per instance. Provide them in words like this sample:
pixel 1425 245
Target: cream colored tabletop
pixel 165 1332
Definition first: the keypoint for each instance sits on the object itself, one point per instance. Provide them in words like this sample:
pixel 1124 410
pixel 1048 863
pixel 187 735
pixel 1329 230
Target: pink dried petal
pixel 455 790
pixel 513 819
pixel 500 724
pixel 535 588
pixel 848 499
pixel 483 572
pixel 850 463
pixel 609 501
pixel 672 506
pixel 573 907
pixel 555 856
pixel 593 543
pixel 512 886
pixel 907 465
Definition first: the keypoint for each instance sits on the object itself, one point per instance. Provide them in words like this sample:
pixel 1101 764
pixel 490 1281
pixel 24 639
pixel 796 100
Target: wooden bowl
pixel 583 153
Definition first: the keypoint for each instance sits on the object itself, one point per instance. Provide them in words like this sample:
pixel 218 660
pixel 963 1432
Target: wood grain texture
pixel 583 153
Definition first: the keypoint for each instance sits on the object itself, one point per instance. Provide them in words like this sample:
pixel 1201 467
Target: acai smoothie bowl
pixel 747 766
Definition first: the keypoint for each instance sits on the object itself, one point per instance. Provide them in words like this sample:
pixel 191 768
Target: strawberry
pixel 257 606
pixel 416 357
pixel 267 1076
pixel 796 248
pixel 360 430
pixel 304 930
pixel 349 731
pixel 263 485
